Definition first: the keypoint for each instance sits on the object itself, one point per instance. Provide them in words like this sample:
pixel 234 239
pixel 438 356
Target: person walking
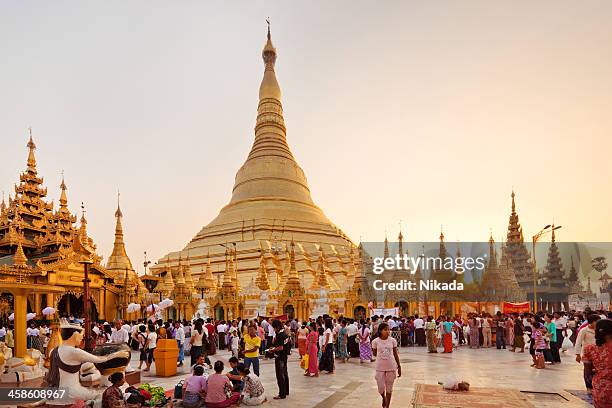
pixel 312 351
pixel 598 362
pixel 150 345
pixel 584 338
pixel 447 334
pixel 326 362
pixel 302 335
pixel 179 335
pixel 430 330
pixel 474 338
pixel 419 331
pixel 519 330
pixel 486 331
pixel 553 353
pixel 500 332
pixel 342 342
pixel 365 346
pixel 387 363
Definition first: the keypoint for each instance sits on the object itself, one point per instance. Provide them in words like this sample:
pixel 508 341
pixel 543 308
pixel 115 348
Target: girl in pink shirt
pixel 387 363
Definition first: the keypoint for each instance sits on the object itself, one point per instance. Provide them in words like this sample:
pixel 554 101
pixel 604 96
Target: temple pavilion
pixel 43 253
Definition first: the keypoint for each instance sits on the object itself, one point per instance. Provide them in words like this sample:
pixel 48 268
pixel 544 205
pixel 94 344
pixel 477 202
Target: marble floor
pixel 353 385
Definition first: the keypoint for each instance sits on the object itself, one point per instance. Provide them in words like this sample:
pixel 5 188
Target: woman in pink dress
pixel 597 361
pixel 365 346
pixel 312 349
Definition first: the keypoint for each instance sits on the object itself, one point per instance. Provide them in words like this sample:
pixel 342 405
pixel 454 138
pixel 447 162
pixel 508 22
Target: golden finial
pixel 118 213
pixel 63 198
pixel 513 205
pixel 31 158
pixel 63 184
pixel 268 21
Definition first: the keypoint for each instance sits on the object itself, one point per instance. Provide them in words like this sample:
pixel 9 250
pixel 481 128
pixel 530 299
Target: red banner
pixel 509 308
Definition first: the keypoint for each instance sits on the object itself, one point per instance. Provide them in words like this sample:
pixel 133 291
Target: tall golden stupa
pixel 271 225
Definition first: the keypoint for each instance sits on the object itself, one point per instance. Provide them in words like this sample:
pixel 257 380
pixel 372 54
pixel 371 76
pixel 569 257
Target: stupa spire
pixel 119 259
pixel 400 240
pixel 386 247
pixel 270 169
pixel 63 197
pixel 442 253
pixel 31 157
pixel 492 252
pixel 83 228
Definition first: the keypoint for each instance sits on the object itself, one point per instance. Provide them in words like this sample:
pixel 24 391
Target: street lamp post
pixel 534 240
pixel 87 319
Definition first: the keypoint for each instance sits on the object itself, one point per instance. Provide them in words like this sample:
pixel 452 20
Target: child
pixel 235 341
pixel 539 345
pixel 234 375
pixel 387 362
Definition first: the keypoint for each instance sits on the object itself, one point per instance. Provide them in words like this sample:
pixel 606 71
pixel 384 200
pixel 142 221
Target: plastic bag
pixel 567 344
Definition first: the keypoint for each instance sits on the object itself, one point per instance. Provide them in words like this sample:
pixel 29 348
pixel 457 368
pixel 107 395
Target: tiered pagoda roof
pixel 517 251
pixel 30 228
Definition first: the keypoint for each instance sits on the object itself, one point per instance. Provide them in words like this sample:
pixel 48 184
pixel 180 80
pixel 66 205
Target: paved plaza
pixel 353 385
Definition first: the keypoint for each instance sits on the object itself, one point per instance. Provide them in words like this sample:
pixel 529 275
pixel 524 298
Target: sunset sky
pixel 429 113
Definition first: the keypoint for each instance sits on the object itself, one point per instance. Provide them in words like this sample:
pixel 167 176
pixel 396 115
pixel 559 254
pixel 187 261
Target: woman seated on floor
pixel 253 390
pixel 194 389
pixel 113 396
pixel 219 393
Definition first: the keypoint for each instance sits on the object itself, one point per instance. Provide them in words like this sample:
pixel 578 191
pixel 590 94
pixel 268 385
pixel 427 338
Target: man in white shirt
pixel 120 335
pixel 179 335
pixel 585 337
pixel 2 333
pixel 560 325
pixel 221 331
pixel 419 331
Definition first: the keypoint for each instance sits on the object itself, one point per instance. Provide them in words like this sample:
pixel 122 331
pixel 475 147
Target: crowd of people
pixel 324 342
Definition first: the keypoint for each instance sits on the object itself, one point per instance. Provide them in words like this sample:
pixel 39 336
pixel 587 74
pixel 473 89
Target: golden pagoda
pixel 42 253
pixel 270 208
pixel 120 267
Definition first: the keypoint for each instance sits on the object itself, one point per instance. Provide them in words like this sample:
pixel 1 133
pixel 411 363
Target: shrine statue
pixel 16 370
pixel 66 361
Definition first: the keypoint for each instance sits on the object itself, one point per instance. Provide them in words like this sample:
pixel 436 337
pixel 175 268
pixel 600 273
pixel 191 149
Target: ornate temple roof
pixel 519 257
pixel 36 239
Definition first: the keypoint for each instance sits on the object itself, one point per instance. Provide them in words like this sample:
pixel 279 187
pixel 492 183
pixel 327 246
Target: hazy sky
pixel 428 113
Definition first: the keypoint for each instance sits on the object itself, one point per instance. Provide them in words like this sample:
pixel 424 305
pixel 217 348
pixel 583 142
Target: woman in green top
pixel 551 330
